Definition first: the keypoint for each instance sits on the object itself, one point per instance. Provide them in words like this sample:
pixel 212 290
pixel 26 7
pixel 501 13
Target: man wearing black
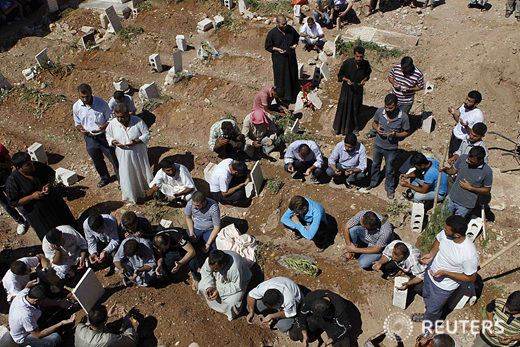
pixel 282 42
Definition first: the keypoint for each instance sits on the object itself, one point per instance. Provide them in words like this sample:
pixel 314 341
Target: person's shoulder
pixel 77 105
pixel 418 71
pixel 99 100
pixel 360 146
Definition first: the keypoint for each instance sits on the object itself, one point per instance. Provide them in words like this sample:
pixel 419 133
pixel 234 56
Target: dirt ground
pixel 459 49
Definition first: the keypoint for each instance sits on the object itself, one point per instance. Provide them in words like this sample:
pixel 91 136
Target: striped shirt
pixel 205 218
pixel 379 237
pixel 414 80
pixel 410 264
pixel 505 325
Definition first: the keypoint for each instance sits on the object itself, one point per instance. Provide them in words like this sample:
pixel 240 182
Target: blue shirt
pixel 314 216
pixel 356 159
pixel 432 175
pixel 291 153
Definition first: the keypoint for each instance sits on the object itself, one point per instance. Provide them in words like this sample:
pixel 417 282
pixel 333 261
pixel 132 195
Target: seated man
pixel 278 300
pixel 474 178
pixel 405 257
pixel 121 98
pixel 371 229
pixel 304 157
pixel 96 334
pixel 25 312
pixel 311 34
pixel 264 98
pixel 225 138
pixel 102 237
pixel 470 140
pixel 136 225
pixel 134 261
pixel 307 218
pixel 203 220
pixel 260 133
pixel 348 161
pixel 505 314
pixel 224 279
pixel 323 311
pixel 423 180
pixel 17 277
pixel 65 248
pixel 322 11
pixel 173 180
pixel 228 181
pixel 173 250
pixel 340 10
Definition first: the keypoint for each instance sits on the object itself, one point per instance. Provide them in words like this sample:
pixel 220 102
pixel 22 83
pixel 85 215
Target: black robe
pixel 351 98
pixel 285 66
pixel 50 211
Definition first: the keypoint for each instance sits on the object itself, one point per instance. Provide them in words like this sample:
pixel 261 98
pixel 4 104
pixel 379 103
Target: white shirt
pixel 292 295
pixel 314 156
pixel 471 116
pixel 171 185
pixel 314 32
pixel 23 317
pixel 221 176
pixel 74 243
pixel 91 117
pixel 128 101
pixel 108 235
pixel 453 257
pixel 13 284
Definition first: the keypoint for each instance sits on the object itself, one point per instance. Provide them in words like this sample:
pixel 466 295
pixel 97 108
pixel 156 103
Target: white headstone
pixel 229 4
pixel 298 13
pixel 299 102
pixel 53 6
pixel 461 296
pixel 417 217
pixel 181 43
pixel 315 100
pixel 155 62
pixel 88 40
pixel 42 58
pixel 325 71
pixel 218 20
pixel 322 56
pixel 5 338
pixel 242 6
pixel 208 170
pixel 88 290
pixel 295 129
pixel 113 18
pixel 428 88
pixel 474 228
pixel 250 190
pixel 37 153
pixel 335 50
pixel 300 70
pixel 205 24
pixel 149 91
pixel 66 177
pixel 177 61
pixel 122 85
pixel 29 73
pixel 103 18
pixel 400 296
pixel 257 177
pixel 428 124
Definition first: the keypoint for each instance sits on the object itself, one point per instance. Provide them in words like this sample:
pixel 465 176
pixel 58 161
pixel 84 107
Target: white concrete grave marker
pixel 229 4
pixel 66 177
pixel 42 59
pixel 299 102
pixel 429 88
pixel 88 290
pixel 53 6
pixel 322 57
pixel 149 91
pixel 181 43
pixel 208 171
pixel 121 86
pixel 325 71
pixel 298 14
pixel 205 24
pixel 315 100
pixel 113 19
pixel 88 40
pixel 242 6
pixel 400 296
pixel 155 62
pixel 428 124
pixel 5 338
pixel 103 18
pixel 218 20
pixel 300 70
pixel 295 129
pixel 177 61
pixel 417 217
pixel 474 228
pixel 257 178
pixel 37 153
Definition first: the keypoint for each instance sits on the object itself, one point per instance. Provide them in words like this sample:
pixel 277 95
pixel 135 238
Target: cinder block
pixel 229 4
pixel 218 20
pixel 208 171
pixel 104 20
pixel 315 100
pixel 155 62
pixel 122 85
pixel 88 40
pixel 149 91
pixel 42 59
pixel 181 43
pixel 66 177
pixel 135 12
pixel 417 217
pixel 316 77
pixel 113 19
pixel 400 296
pixel 29 73
pixel 325 71
pixel 428 88
pixel 257 178
pixel 300 70
pixel 474 228
pixel 5 338
pixel 177 61
pixel 242 6
pixel 37 153
pixel 205 24
pixel 299 102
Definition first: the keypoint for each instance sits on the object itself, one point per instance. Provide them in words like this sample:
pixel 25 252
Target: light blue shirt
pixel 109 235
pixel 314 156
pixel 314 216
pixel 356 159
pixel 91 117
pixel 129 103
pixel 432 175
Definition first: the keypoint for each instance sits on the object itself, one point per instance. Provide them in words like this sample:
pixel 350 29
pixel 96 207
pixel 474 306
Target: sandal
pixel 295 237
pixel 417 317
pixel 346 257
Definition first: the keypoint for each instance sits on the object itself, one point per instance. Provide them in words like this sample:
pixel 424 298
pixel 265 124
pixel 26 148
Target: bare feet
pixel 194 283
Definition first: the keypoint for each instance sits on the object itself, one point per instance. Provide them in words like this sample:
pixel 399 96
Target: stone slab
pixel 181 43
pixel 295 129
pixel 417 217
pixel 88 40
pixel 218 20
pixel 42 59
pixel 155 62
pixel 316 77
pixel 250 190
pixel 102 5
pixel 257 177
pixel 122 85
pixel 53 6
pixel 208 170
pixel 385 38
pixel 103 18
pixel 5 338
pixel 205 24
pixel 177 61
pixel 325 71
pixel 113 18
pixel 428 123
pixel 474 228
pixel 29 73
pixel 300 70
pixel 149 91
pixel 88 290
pixel 37 153
pixel 323 56
pixel 66 177
pixel 299 102
pixel 400 296
pixel 315 100
pixel 242 6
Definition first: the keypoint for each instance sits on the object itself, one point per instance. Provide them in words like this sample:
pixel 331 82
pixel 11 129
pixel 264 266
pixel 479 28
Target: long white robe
pixel 231 283
pixel 134 166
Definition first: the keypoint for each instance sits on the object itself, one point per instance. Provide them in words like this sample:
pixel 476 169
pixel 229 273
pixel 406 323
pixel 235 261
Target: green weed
pixel 436 223
pixel 261 252
pixel 347 48
pixel 66 12
pixel 273 8
pixel 145 6
pixel 130 32
pixel 274 184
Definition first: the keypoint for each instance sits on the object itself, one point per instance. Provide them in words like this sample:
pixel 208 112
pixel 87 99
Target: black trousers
pixel 97 146
pixel 321 239
pixel 454 145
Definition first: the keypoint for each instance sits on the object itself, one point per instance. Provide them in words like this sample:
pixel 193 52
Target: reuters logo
pixel 398 327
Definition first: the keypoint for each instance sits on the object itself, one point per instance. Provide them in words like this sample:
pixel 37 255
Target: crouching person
pixel 134 261
pixel 66 249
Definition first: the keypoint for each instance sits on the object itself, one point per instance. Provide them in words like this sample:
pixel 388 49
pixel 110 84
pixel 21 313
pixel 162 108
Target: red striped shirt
pixel 414 80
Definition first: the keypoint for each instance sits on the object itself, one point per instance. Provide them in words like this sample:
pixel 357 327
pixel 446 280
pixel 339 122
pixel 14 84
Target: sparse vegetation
pixel 490 236
pixel 234 25
pixel 130 32
pixel 252 87
pixel 231 116
pixel 435 225
pixel 66 12
pixel 147 6
pixel 150 105
pixel 347 48
pixel 274 184
pixel 59 70
pixel 283 123
pixel 261 252
pixel 33 100
pixel 273 8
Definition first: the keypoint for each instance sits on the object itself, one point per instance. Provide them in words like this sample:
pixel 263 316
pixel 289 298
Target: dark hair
pixel 321 307
pixel 475 95
pixel 272 298
pixel 198 196
pixel 477 152
pixel 18 267
pixel 240 167
pixel 119 95
pixel 310 20
pixel 97 316
pixel 443 340
pixel 227 127
pixel 305 149
pixel 53 236
pixel 95 221
pixel 128 219
pixel 513 302
pixel 391 99
pixel 84 88
pixel 359 49
pixel 406 62
pixel 161 239
pixel 167 162
pixel 121 109
pixel 371 219
pixel 418 159
pixel 401 249
pixel 218 257
pixel 39 292
pixel 20 158
pixel 350 139
pixel 130 248
pixel 297 204
pixel 457 224
pixel 479 129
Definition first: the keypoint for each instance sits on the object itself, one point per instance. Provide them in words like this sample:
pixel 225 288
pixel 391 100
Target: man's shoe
pixel 102 183
pixel 22 228
pixel 508 14
pixel 390 195
pixel 314 180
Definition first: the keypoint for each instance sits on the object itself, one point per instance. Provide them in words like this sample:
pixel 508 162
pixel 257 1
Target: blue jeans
pixel 378 153
pixel 357 233
pixel 457 209
pixel 96 147
pixel 318 18
pixel 352 178
pixel 48 341
pixel 308 40
pixel 171 257
pixel 204 234
pixel 422 198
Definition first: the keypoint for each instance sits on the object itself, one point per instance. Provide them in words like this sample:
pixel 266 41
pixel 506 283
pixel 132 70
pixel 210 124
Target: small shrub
pixel 235 25
pixel 261 252
pixel 282 123
pixel 436 223
pixel 274 184
pixel 275 7
pixel 130 32
pixel 145 6
pixel 347 48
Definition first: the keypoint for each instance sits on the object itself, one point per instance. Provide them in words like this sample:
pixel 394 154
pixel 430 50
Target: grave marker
pixel 325 71
pixel 88 290
pixel 122 85
pixel 242 6
pixel 300 70
pixel 295 129
pixel 417 217
pixel 177 61
pixel 53 6
pixel 66 177
pixel 323 57
pixel 474 228
pixel 42 59
pixel 113 19
pixel 400 296
pixel 299 102
pixel 208 170
pixel 155 62
pixel 149 91
pixel 428 124
pixel 104 20
pixel 257 177
pixel 37 153
pixel 205 25
pixel 315 100
pixel 229 4
pixel 181 43
pixel 89 41
pixel 298 13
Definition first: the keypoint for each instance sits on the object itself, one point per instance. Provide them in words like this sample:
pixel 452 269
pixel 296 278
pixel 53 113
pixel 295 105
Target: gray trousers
pixel 284 324
pixel 513 6
pixel 250 149
pixel 435 298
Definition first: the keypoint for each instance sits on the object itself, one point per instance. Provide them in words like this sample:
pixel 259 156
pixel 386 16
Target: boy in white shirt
pixel 17 277
pixel 173 180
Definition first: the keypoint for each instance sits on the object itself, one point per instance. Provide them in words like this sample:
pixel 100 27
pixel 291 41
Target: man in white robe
pixel 129 134
pixel 173 180
pixel 224 279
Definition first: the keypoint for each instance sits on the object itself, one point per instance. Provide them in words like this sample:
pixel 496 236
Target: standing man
pixel 281 42
pixel 203 220
pixel 452 260
pixel 406 79
pixel 468 115
pixel 130 135
pixel 304 158
pixel 91 117
pixel 353 75
pixel 348 161
pixel 392 125
pixel 513 6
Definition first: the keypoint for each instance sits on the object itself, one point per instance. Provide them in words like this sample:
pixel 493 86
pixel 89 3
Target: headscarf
pixel 259 117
